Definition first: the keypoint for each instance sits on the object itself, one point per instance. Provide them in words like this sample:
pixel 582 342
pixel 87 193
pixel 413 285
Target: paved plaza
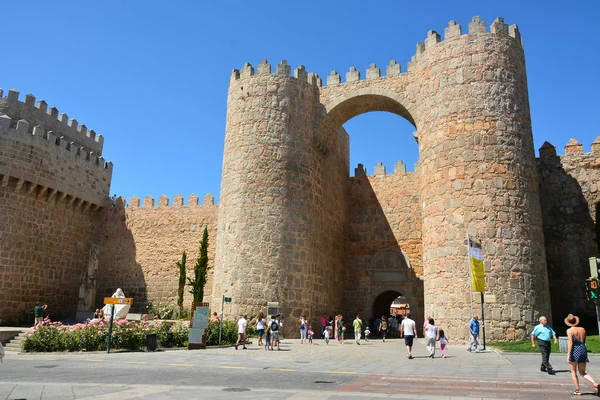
pixel 372 370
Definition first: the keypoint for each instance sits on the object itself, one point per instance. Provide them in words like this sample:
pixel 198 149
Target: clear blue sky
pixel 152 76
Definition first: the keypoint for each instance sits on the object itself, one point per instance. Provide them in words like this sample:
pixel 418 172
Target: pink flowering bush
pixel 93 335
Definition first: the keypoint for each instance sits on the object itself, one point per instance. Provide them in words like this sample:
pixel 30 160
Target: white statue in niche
pixel 121 310
pixel 87 290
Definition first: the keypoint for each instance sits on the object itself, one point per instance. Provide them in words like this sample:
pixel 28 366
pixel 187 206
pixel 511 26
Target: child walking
pixel 310 334
pixel 443 341
pixel 367 334
pixel 326 334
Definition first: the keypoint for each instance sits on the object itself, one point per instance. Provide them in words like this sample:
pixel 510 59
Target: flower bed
pixel 126 335
pixel 92 336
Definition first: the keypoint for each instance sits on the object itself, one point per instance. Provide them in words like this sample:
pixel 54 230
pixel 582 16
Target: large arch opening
pixel 381 141
pixel 340 107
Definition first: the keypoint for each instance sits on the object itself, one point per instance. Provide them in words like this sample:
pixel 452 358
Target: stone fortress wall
pixel 570 194
pixel 54 184
pixel 141 245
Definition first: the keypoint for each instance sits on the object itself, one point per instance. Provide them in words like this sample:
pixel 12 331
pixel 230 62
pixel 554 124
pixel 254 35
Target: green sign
pixel 227 299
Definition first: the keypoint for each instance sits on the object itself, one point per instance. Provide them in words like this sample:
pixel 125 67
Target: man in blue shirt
pixel 474 334
pixel 544 334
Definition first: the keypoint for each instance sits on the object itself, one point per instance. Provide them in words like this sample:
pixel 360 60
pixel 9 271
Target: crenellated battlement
pixel 163 201
pixel 453 30
pixel 283 69
pixel 39 156
pixel 573 151
pixel 50 120
pixel 476 27
pixel 380 169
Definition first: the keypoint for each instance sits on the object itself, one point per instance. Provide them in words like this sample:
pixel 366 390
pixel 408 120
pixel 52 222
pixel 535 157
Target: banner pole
pixel 470 271
pixel 482 320
pixel 221 319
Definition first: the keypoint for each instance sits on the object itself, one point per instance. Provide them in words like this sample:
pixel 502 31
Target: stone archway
pixel 381 304
pixel 338 105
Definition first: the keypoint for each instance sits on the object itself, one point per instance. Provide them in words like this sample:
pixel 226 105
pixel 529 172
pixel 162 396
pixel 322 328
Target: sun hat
pixel 572 320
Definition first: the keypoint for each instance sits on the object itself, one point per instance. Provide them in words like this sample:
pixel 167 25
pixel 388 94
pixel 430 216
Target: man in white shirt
pixel 242 324
pixel 409 331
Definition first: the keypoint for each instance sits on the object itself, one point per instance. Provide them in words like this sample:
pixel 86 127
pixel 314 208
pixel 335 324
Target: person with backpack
pixel 274 330
pixel 383 326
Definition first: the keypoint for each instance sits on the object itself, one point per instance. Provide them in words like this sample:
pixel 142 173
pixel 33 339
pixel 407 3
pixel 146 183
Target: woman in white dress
pixel 431 334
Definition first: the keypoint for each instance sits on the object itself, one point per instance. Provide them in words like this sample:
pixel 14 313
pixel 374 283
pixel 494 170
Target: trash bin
pixel 563 343
pixel 151 341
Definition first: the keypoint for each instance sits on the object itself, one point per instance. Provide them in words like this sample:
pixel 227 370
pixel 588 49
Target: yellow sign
pixel 117 300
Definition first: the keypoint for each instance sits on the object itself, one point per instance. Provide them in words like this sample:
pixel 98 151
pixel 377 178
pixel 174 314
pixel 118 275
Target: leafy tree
pixel 181 288
pixel 200 270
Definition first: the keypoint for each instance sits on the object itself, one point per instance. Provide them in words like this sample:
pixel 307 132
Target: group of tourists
pixel 268 331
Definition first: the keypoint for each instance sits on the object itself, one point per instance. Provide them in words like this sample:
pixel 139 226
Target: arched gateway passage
pixel 382 303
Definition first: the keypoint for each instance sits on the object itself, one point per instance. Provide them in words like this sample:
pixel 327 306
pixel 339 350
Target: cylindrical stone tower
pixel 270 241
pixel 479 177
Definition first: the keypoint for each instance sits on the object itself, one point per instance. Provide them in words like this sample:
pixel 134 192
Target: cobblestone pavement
pixel 371 370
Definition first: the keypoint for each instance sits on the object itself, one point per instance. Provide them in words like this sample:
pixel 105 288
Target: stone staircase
pixel 14 345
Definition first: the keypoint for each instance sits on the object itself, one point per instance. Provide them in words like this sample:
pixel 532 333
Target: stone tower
pixel 283 221
pixel 280 234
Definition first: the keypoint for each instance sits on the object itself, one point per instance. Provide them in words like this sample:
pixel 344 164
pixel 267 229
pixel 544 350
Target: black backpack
pixel 274 326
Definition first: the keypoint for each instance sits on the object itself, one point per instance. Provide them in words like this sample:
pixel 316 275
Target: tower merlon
pixel 13 95
pixel 547 150
pixel 393 69
pixel 477 25
pixel 148 201
pixel 30 100
pixel 400 168
pixel 209 200
pixel 596 146
pixel 178 199
pixel 300 73
pixel 134 202
pixel 163 201
pixel 360 170
pixel 264 67
pixel 379 169
pixel 452 30
pixel 373 72
pixel 42 106
pixel 573 147
pixel 433 38
pixel 498 27
pixel 353 75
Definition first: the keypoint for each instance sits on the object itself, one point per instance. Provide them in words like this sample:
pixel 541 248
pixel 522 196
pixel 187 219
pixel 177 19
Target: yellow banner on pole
pixel 477 270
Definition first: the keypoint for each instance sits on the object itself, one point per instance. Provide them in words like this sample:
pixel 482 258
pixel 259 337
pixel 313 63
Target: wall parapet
pixel 33 154
pixel 50 120
pixel 380 169
pixel 573 152
pixel 163 202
